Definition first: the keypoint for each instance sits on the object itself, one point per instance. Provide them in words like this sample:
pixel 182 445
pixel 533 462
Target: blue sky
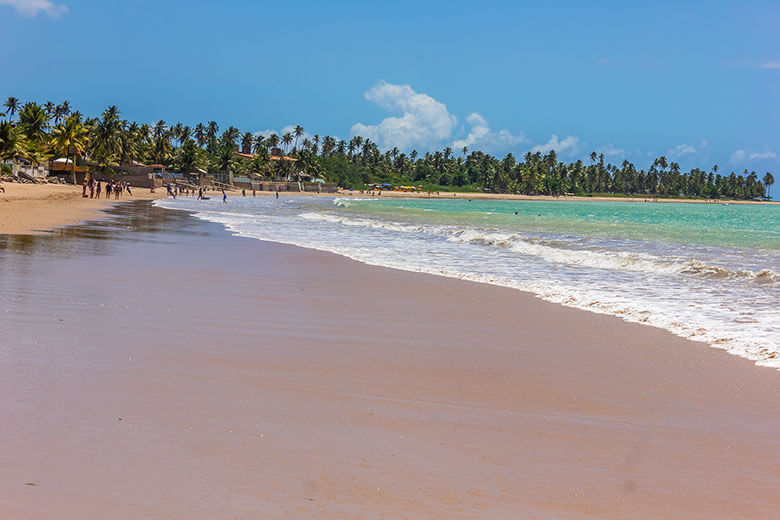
pixel 695 81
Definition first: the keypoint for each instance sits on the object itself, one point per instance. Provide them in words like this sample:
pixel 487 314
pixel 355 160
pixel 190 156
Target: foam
pixel 667 299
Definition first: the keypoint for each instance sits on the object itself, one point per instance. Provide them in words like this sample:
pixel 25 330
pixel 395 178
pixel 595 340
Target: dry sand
pixel 155 367
pixel 37 208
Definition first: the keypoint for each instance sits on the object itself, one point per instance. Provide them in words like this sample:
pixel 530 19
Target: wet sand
pixel 155 367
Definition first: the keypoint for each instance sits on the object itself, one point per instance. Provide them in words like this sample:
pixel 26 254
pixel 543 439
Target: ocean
pixel 707 272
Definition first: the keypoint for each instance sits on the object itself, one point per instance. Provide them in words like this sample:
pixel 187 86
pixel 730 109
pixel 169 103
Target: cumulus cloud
pixel 770 65
pixel 423 122
pixel 686 149
pixel 32 8
pixel 610 150
pixel 566 146
pixel 743 155
pixel 480 136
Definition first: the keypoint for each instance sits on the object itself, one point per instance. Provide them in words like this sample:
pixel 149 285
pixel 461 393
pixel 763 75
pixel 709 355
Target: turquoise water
pixel 735 225
pixel 707 272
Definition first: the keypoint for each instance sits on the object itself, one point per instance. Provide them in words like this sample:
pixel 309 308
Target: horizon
pixel 695 83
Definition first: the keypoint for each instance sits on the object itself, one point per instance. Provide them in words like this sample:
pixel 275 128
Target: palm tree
pixel 230 136
pixel 12 144
pixel 176 131
pixel 767 181
pixel 259 143
pixel 12 105
pixel 287 139
pixel 105 138
pixel 159 129
pixel 272 141
pixel 212 129
pixel 246 143
pixel 57 114
pixel 200 134
pixel 50 108
pixel 298 133
pixel 33 121
pixel 226 160
pixel 70 136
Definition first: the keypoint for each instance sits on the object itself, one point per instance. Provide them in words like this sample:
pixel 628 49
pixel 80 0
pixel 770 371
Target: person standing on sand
pixel 224 197
pixel 277 194
pixel 127 187
pixel 200 193
pixel 108 190
pixel 243 192
pixel 98 189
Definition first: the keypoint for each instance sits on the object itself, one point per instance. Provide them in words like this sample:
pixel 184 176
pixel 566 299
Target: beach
pixel 155 366
pixel 38 208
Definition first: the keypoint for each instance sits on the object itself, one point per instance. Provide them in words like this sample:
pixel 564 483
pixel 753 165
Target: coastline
pixel 270 380
pixel 35 209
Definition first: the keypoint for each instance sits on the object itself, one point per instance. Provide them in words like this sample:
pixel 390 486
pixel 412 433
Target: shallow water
pixel 707 272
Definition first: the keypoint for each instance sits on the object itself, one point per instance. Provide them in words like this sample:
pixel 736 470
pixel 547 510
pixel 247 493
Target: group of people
pixel 94 188
pixel 175 190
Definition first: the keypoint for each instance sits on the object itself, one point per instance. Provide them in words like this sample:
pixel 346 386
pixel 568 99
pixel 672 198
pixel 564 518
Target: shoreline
pixel 274 381
pixel 36 209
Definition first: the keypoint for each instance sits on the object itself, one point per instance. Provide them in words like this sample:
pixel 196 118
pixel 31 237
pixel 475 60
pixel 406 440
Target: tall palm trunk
pixel 72 167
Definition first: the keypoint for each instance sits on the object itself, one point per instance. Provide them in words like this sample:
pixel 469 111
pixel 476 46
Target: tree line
pixel 38 132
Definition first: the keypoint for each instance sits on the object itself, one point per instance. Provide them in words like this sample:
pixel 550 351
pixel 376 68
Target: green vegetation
pixel 42 132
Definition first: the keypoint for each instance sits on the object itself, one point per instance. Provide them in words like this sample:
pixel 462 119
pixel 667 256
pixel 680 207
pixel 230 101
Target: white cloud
pixel 481 137
pixel 566 146
pixel 424 122
pixel 770 65
pixel 266 133
pixel 743 155
pixel 32 8
pixel 610 150
pixel 686 149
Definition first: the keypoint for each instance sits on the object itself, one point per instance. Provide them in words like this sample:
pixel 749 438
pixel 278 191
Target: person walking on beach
pixel 200 193
pixel 108 190
pixel 243 192
pixel 277 194
pixel 98 189
pixel 127 187
pixel 224 197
